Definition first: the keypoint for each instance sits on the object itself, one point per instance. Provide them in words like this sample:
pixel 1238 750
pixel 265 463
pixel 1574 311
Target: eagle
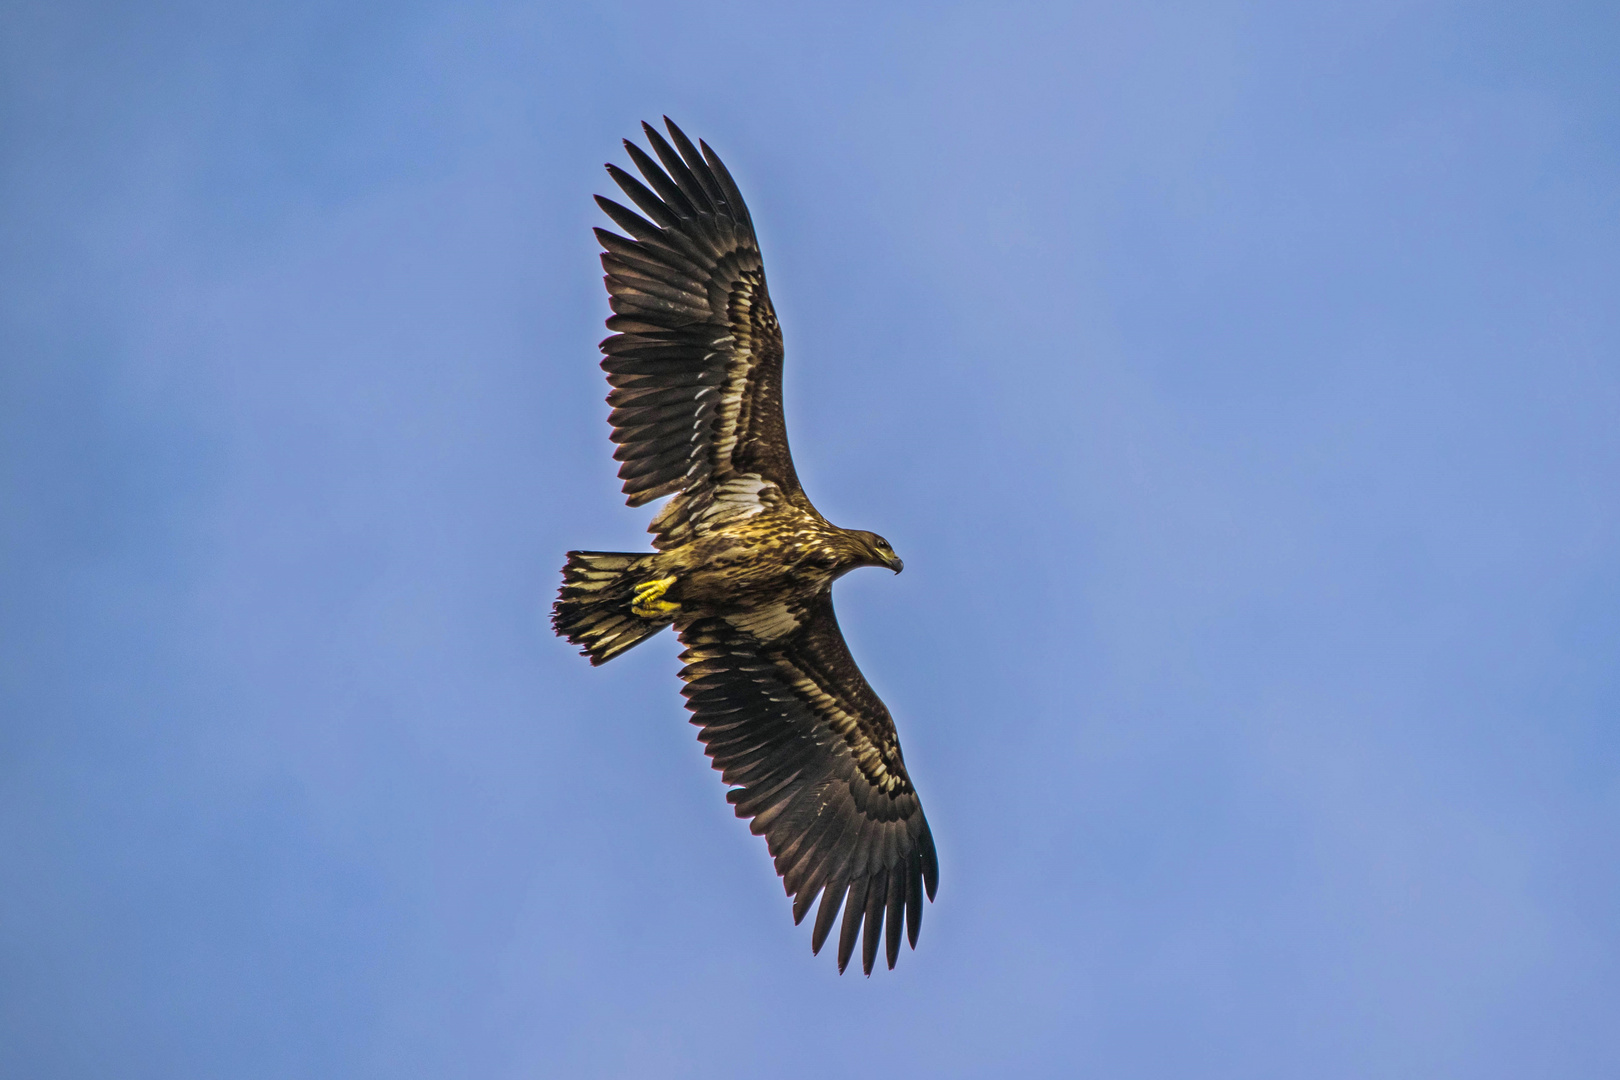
pixel 743 564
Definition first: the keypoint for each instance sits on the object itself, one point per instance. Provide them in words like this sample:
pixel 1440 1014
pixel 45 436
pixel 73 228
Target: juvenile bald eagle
pixel 744 564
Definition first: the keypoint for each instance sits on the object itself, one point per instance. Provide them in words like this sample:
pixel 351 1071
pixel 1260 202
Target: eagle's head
pixel 872 550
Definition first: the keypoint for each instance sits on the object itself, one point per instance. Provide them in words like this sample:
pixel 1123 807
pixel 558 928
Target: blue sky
pixel 1238 382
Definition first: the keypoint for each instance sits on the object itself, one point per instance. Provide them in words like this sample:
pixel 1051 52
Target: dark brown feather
pixel 691 309
pixel 818 768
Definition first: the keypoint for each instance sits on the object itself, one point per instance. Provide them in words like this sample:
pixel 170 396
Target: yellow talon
pixel 648 602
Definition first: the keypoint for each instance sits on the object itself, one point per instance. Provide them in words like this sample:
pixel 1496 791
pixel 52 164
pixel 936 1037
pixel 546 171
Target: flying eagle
pixel 744 564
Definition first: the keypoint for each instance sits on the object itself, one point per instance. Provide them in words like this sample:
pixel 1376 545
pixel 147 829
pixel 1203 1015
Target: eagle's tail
pixel 593 608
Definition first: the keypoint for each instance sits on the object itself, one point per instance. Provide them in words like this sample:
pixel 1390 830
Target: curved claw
pixel 648 603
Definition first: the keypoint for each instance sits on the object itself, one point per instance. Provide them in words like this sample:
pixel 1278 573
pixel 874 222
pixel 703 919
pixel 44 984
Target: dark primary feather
pixel 817 762
pixel 692 315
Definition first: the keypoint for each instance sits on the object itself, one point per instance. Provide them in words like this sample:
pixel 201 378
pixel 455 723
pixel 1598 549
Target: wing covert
pixel 816 764
pixel 695 360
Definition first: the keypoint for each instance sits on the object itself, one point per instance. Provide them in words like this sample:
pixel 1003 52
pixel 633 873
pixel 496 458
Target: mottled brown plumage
pixel 744 565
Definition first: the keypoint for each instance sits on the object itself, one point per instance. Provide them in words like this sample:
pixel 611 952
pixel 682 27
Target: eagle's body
pixel 787 556
pixel 744 564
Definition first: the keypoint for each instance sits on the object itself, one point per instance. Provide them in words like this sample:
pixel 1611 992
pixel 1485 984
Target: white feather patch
pixel 766 623
pixel 732 500
pixel 738 498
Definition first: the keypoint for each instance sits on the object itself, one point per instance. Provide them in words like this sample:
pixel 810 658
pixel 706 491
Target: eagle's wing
pixel 696 359
pixel 816 764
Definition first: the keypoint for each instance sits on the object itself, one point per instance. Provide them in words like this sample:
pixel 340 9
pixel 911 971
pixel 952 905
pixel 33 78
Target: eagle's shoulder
pixel 716 506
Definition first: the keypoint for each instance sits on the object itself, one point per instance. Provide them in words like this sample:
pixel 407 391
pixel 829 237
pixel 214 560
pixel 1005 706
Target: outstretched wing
pixel 696 359
pixel 817 766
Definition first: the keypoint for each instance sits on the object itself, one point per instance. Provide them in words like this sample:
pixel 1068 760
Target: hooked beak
pixel 895 564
